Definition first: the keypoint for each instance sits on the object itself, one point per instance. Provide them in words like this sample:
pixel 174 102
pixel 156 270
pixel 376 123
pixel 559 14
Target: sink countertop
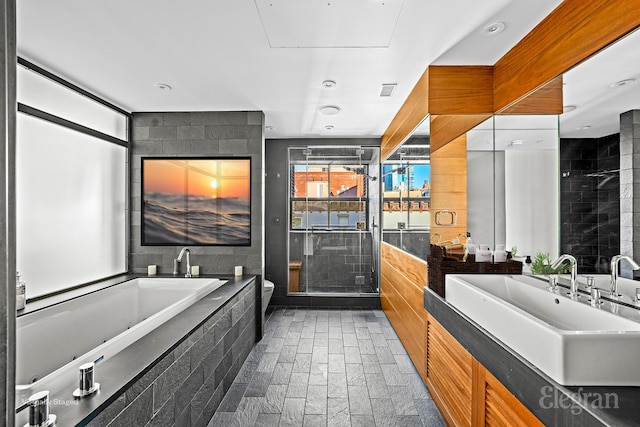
pixel 551 402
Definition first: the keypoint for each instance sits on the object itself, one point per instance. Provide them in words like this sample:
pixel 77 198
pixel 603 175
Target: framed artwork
pixel 202 201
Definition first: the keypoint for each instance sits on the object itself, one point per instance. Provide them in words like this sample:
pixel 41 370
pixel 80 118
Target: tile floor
pixel 322 367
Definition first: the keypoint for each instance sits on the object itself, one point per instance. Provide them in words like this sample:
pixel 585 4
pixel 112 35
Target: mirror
pixel 513 184
pixel 406 194
pixel 599 133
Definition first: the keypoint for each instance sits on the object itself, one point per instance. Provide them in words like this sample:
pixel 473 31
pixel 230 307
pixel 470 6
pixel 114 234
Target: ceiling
pixel 268 55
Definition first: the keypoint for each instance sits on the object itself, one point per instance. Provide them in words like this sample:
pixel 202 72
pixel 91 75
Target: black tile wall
pixel 194 134
pixel 186 387
pixel 590 201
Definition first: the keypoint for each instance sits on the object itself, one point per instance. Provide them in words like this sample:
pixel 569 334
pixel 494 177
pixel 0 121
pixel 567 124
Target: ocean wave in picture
pixel 196 220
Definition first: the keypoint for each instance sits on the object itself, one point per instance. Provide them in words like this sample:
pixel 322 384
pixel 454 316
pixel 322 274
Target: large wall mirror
pixel 560 184
pixel 406 194
pixel 512 190
pixel 599 144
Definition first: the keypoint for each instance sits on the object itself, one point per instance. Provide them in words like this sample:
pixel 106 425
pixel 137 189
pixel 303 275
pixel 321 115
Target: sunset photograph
pixel 196 201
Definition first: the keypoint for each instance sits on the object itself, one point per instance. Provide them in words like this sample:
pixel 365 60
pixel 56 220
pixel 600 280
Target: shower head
pixel 360 171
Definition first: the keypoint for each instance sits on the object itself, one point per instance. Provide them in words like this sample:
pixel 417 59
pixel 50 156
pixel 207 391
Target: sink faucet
pixel 574 272
pixel 177 261
pixel 615 271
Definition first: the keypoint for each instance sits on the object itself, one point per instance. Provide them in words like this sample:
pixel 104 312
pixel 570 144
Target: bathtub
pixel 53 342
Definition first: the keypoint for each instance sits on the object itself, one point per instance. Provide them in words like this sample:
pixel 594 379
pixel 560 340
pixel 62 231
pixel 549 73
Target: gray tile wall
pixel 7 206
pixel 336 261
pixel 195 134
pixel 186 387
pixel 629 187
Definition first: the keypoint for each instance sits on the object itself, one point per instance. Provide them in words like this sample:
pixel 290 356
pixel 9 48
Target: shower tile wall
pixel 336 261
pixel 590 201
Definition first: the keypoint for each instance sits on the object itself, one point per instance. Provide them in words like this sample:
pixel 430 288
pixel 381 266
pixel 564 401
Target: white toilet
pixel 267 291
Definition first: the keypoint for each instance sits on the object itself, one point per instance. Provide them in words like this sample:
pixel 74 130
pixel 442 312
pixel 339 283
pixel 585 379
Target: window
pixel 328 196
pixel 407 192
pixel 71 185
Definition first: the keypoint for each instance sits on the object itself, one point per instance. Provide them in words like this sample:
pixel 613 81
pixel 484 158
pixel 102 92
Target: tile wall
pixel 195 134
pixel 186 387
pixel 590 201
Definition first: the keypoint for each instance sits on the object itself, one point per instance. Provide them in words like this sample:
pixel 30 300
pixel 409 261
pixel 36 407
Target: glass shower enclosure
pixel 334 208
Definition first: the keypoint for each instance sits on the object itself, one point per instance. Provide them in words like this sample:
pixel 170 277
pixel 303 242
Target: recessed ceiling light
pixel 568 108
pixel 517 142
pixel 329 110
pixel 328 127
pixel 583 127
pixel 387 89
pixel 162 86
pixel 329 84
pixel 494 29
pixel 623 82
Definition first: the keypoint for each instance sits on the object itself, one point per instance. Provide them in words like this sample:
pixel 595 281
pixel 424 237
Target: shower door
pixel 333 219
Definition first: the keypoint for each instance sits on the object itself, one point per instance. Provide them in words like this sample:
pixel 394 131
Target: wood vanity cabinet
pixel 464 391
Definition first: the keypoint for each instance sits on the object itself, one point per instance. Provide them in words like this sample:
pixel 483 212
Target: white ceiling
pixel 591 87
pixel 269 55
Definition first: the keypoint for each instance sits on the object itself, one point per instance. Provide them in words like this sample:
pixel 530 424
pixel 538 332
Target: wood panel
pixel 573 32
pixel 449 165
pixel 445 129
pixel 498 406
pixel 460 90
pixel 464 391
pixel 402 279
pixel 545 100
pixel 449 375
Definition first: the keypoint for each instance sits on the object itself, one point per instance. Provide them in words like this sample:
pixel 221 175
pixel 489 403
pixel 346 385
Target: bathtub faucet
pixel 177 261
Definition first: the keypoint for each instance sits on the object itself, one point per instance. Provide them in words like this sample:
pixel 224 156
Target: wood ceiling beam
pixel 570 34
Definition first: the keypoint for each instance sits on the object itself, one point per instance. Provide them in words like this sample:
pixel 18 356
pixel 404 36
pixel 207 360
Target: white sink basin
pixel 570 341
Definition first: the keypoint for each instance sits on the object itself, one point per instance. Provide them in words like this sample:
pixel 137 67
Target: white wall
pixel 485 197
pixel 532 212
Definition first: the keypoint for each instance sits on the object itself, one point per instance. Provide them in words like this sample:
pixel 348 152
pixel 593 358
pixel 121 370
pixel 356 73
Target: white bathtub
pixel 52 343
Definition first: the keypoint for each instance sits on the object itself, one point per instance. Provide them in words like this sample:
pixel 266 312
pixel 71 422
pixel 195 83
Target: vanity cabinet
pixel 464 391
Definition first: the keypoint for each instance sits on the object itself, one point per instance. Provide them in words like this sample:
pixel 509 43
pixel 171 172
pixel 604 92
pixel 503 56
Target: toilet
pixel 267 291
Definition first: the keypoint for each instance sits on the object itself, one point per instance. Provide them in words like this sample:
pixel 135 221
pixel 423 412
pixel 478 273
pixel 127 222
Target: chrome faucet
pixel 573 292
pixel 177 261
pixel 615 271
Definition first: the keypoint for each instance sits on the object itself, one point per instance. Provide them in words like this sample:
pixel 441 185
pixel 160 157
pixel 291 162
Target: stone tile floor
pixel 325 367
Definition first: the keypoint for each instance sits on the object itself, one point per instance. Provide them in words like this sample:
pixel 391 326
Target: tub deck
pixel 123 369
